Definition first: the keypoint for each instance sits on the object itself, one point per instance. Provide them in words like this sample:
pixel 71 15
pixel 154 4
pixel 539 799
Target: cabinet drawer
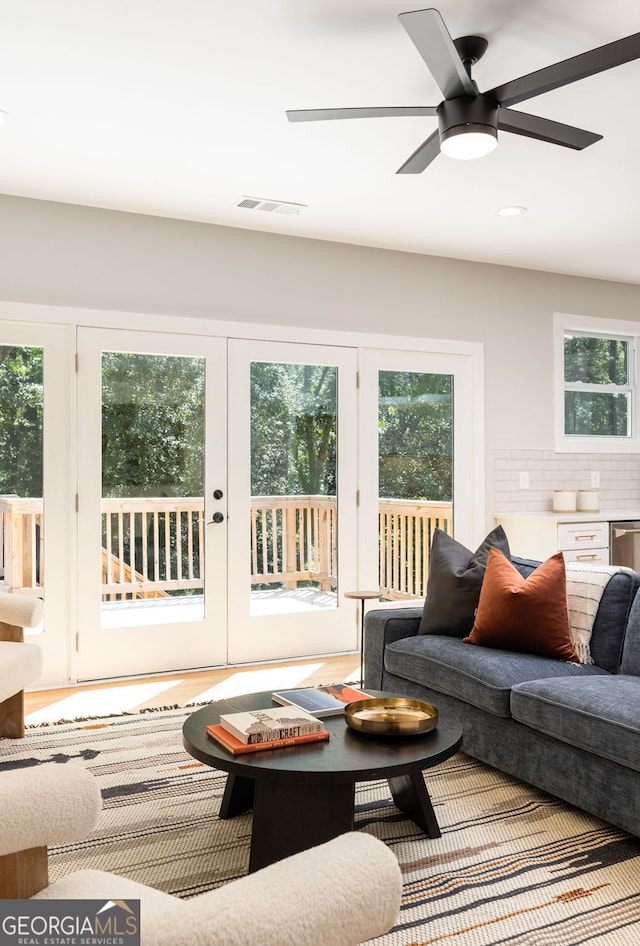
pixel 588 556
pixel 583 535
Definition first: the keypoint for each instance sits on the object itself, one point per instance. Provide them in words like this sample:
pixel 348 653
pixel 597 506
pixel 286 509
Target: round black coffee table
pixel 303 795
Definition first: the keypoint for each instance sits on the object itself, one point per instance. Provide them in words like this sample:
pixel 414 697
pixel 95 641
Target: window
pixel 596 394
pixel 597 386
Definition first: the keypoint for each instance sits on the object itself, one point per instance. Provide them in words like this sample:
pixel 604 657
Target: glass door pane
pixel 294 514
pixel 152 517
pixel 415 475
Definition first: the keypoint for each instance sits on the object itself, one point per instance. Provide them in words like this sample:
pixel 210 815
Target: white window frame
pixel 604 328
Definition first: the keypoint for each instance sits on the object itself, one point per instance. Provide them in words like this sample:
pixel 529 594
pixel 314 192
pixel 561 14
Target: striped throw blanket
pixel 585 587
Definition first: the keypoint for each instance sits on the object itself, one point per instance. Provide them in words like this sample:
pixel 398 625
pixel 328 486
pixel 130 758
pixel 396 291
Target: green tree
pixel 152 425
pixel 293 429
pixel 594 361
pixel 415 436
pixel 21 415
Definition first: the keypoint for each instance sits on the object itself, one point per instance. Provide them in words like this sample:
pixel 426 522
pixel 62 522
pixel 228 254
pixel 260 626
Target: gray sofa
pixel 570 729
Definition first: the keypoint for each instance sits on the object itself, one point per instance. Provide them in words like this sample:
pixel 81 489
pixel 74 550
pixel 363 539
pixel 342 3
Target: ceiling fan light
pixel 467 142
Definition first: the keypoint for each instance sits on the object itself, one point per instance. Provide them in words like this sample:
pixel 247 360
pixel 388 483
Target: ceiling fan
pixel 468 119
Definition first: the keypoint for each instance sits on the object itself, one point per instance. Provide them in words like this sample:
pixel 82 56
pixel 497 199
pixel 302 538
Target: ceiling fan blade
pixel 569 70
pixel 422 156
pixel 329 114
pixel 430 36
pixel 532 126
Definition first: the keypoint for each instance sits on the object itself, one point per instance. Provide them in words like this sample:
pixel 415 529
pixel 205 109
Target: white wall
pixel 61 254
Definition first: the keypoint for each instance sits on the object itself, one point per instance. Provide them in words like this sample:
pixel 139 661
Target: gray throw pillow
pixel 454 582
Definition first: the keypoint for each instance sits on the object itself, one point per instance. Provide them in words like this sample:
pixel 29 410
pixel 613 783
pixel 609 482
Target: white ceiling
pixel 177 108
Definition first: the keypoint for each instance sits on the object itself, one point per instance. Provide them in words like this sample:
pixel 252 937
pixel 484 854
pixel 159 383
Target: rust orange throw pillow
pixel 527 615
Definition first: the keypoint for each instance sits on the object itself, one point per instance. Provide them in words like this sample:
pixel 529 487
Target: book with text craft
pixel 235 747
pixel 265 725
pixel 329 700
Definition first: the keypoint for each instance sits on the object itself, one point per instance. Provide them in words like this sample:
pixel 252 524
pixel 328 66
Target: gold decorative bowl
pixel 391 716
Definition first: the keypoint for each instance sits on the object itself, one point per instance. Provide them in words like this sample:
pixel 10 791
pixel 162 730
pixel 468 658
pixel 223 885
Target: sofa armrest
pixel 340 893
pixel 383 626
pixel 46 804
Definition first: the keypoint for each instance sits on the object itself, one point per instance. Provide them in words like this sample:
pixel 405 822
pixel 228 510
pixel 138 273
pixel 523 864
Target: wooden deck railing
pixel 406 528
pixel 22 544
pixel 153 546
pixel 293 538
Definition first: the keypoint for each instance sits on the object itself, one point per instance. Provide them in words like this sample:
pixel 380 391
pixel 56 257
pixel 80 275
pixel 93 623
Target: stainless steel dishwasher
pixel 624 543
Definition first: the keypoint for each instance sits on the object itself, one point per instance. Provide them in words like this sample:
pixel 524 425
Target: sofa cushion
pixel 608 634
pixel 610 625
pixel 454 582
pixel 480 676
pixel 528 615
pixel 598 714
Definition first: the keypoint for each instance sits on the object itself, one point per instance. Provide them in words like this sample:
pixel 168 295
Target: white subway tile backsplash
pixel 619 478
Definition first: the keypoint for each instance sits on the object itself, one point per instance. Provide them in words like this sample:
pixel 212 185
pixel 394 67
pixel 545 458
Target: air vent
pixel 270 206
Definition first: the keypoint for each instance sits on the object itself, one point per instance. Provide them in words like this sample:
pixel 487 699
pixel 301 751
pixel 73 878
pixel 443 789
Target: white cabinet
pixel 540 536
pixel 584 542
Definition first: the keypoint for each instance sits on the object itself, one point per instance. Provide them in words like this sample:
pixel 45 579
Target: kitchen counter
pixel 606 515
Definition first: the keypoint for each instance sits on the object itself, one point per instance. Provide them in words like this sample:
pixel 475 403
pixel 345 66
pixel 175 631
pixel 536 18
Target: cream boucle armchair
pixel 20 663
pixel 340 893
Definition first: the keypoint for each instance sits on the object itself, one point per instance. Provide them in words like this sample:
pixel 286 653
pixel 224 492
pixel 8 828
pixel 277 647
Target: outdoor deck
pixel 143 611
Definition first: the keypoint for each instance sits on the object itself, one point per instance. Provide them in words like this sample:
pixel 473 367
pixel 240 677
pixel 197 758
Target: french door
pixel 158 525
pixel 152 424
pixel 292 500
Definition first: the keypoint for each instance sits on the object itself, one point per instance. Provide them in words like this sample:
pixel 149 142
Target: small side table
pixel 362 596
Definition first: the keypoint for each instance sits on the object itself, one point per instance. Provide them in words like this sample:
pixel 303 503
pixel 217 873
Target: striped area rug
pixel 514 866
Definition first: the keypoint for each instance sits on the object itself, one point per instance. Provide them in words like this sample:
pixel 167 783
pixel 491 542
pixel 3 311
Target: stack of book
pixel 267 729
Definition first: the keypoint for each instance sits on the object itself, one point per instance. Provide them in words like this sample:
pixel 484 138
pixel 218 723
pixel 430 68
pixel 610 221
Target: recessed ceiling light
pixel 512 211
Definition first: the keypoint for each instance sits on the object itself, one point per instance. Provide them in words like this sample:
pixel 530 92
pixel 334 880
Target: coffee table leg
pixel 238 796
pixel 411 796
pixel 291 816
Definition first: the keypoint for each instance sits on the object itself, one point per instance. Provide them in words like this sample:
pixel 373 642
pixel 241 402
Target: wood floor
pixel 177 689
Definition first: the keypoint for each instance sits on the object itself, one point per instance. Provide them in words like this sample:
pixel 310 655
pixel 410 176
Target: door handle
pixel 217 517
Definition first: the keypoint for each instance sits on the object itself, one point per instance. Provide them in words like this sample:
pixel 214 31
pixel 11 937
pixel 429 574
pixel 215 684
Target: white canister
pixel 564 500
pixel 587 500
